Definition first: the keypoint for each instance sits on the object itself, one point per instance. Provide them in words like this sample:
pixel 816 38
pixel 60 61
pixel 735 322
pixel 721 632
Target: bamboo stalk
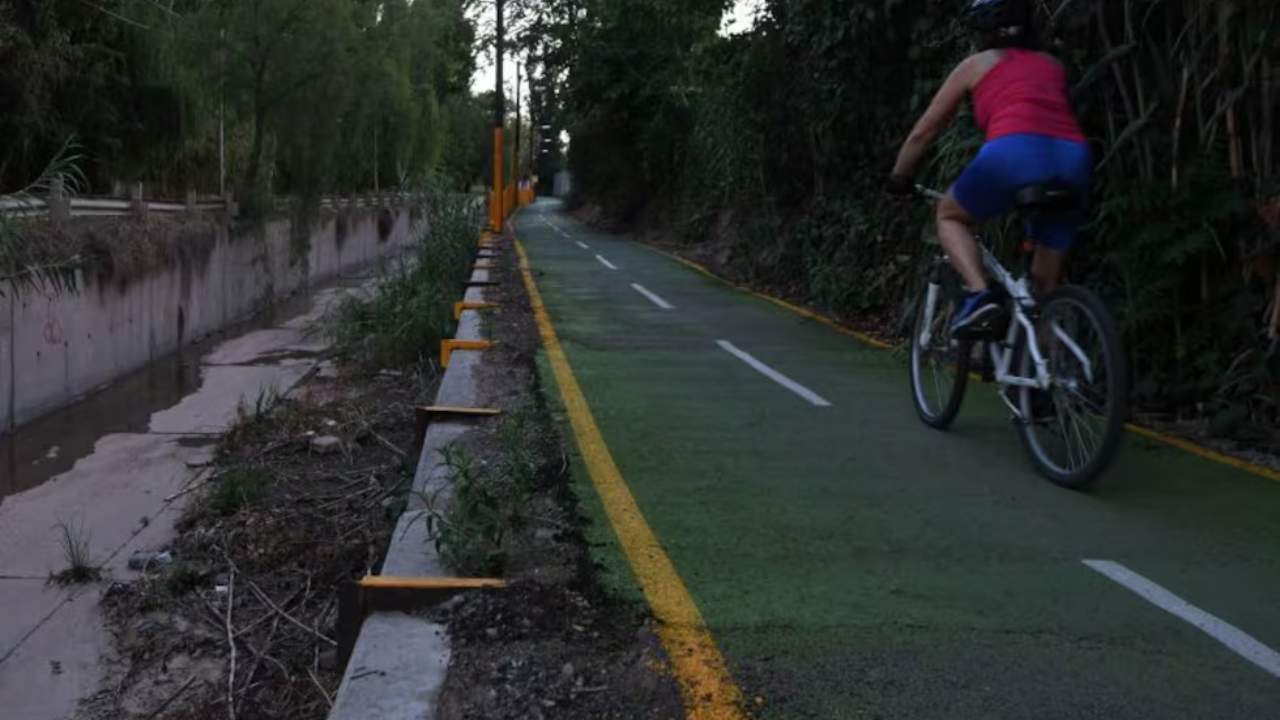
pixel 1268 128
pixel 1115 67
pixel 1177 126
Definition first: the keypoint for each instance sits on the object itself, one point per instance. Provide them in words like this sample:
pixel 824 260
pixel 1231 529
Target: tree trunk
pixel 255 155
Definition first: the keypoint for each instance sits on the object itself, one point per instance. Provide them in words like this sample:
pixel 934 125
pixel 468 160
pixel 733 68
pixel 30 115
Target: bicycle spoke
pixel 1074 337
pixel 1080 427
pixel 937 385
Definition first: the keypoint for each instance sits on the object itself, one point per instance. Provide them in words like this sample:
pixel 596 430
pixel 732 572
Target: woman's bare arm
pixel 941 109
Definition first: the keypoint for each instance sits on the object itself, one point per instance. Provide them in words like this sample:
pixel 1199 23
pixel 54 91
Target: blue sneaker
pixel 981 316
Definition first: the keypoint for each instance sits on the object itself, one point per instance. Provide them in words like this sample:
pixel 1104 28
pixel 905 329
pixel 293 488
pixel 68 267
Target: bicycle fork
pixel 933 289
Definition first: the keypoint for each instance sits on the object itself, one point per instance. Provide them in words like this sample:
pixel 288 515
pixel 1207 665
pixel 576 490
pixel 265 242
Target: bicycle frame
pixel 1023 307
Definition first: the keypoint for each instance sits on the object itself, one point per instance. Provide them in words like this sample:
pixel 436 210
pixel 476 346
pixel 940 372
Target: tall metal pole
pixel 222 114
pixel 499 111
pixel 515 154
pixel 533 121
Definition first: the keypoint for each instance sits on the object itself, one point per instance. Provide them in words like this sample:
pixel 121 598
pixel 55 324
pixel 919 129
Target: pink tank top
pixel 1025 93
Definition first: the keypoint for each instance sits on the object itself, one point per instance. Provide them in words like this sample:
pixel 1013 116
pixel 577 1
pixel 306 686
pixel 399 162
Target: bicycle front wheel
pixel 939 364
pixel 1072 434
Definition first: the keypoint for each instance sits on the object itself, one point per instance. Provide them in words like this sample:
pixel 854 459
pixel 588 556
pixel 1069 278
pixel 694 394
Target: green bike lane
pixel 852 563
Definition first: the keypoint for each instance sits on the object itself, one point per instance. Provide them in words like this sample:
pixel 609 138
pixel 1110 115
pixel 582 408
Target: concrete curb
pixel 398 665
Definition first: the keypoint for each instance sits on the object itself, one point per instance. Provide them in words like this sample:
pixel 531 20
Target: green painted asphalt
pixel 852 563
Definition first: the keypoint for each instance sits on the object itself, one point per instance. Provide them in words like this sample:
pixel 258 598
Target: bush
pixel 411 310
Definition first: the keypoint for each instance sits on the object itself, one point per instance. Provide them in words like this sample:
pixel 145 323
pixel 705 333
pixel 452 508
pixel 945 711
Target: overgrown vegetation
pixel 311 96
pixel 469 518
pixel 238 487
pixel 765 152
pixel 411 311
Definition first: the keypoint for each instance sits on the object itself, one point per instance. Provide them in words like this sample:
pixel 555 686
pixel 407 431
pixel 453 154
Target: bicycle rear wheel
pixel 1078 431
pixel 939 364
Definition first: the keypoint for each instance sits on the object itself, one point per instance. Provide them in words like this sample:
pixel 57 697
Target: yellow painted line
pixel 383 581
pixel 1187 445
pixel 708 690
pixel 1205 452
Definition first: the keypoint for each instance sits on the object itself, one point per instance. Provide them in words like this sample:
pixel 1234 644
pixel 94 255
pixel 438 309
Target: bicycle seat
pixel 1049 198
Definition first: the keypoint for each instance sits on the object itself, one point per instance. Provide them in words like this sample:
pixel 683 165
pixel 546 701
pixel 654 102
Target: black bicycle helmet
pixel 999 22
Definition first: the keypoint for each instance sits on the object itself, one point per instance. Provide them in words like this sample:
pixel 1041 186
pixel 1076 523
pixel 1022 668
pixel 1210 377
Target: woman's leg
pixel 1046 270
pixel 955 232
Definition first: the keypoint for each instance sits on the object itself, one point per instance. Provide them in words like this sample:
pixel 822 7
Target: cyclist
pixel 1021 103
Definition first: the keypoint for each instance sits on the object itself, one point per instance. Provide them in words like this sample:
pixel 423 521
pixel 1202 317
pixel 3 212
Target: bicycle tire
pixel 938 418
pixel 1117 389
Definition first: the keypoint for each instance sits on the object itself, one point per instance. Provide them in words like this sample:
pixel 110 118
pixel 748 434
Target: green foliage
pixel 253 418
pixel 24 263
pixel 771 146
pixel 470 517
pixel 411 311
pixel 467 519
pixel 238 488
pixel 315 96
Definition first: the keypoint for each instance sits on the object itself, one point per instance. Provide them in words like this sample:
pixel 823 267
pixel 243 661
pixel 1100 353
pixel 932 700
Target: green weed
pixel 252 416
pixel 481 505
pixel 412 309
pixel 238 488
pixel 81 567
pixel 466 520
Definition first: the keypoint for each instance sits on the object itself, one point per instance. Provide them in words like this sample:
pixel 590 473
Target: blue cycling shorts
pixel 987 188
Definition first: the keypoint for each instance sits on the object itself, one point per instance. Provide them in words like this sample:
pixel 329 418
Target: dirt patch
pixel 236 617
pixel 555 643
pixel 240 609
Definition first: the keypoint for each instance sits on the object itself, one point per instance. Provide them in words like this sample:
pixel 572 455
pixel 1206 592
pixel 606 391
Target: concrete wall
pixel 56 348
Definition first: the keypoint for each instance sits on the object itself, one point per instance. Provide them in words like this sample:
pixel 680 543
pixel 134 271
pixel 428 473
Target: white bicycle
pixel 1059 365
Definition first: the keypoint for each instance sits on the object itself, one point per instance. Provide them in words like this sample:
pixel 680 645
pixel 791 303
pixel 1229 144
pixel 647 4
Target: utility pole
pixel 222 113
pixel 534 108
pixel 515 154
pixel 499 111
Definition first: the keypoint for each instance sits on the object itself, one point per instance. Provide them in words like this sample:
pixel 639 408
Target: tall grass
pixel 412 308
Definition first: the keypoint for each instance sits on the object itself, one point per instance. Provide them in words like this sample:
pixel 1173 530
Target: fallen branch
pixel 254 625
pixel 320 687
pixel 263 597
pixel 231 640
pixel 257 658
pixel 169 700
pixel 387 443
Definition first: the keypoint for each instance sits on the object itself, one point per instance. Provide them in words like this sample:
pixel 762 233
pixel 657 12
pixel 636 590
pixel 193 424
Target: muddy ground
pixel 238 620
pixel 302 497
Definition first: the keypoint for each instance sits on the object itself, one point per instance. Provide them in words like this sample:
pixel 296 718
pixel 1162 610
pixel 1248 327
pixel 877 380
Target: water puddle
pixel 52 444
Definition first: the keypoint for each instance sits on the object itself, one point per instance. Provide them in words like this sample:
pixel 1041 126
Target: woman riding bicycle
pixel 1021 102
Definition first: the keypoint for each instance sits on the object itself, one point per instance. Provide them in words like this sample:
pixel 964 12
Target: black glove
pixel 900 185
